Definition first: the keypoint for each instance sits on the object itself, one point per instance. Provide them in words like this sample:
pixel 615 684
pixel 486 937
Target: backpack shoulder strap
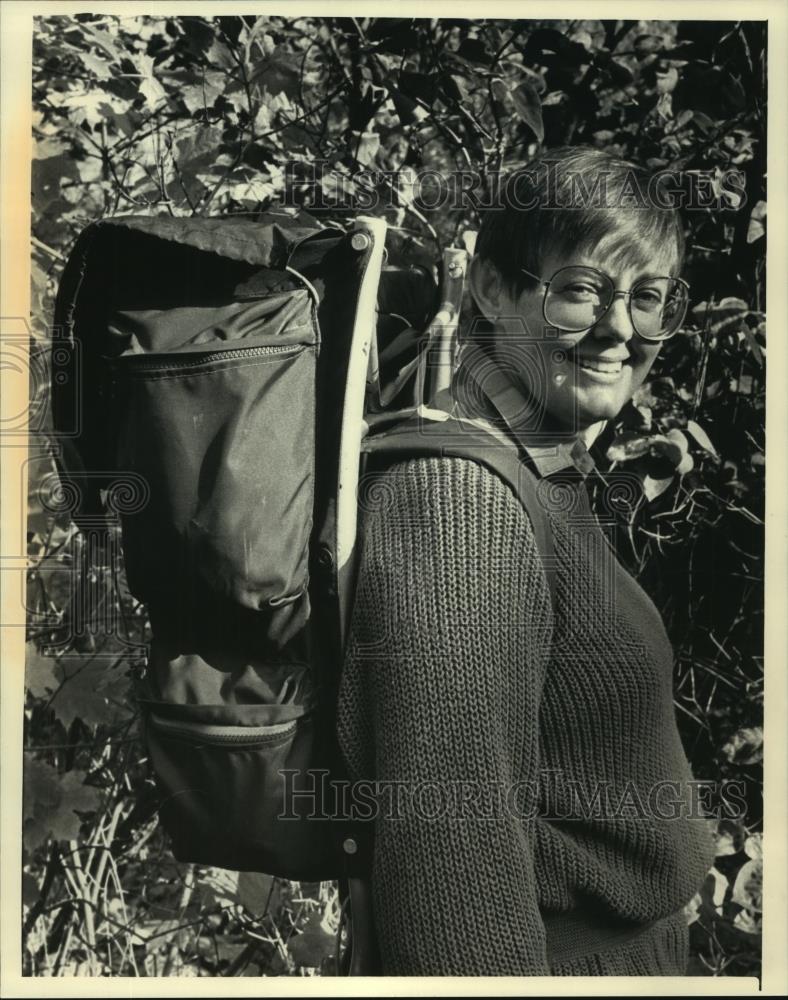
pixel 458 439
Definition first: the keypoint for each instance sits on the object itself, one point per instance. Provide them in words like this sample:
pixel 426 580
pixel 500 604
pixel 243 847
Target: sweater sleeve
pixel 451 637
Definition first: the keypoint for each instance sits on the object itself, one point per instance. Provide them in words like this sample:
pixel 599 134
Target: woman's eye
pixel 648 298
pixel 580 289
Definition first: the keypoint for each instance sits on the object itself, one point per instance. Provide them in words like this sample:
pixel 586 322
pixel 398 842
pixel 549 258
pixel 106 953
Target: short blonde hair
pixel 571 200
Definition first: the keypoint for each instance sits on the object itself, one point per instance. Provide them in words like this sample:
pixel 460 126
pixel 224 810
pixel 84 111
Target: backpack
pixel 231 377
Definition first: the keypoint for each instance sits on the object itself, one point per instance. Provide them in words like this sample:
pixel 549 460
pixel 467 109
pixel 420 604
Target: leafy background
pixel 186 115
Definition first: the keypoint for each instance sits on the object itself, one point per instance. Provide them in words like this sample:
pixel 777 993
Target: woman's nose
pixel 616 322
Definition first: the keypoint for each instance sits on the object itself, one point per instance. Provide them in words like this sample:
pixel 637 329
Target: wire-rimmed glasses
pixel 578 296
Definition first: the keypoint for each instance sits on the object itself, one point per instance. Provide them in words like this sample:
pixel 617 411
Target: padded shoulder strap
pixel 458 439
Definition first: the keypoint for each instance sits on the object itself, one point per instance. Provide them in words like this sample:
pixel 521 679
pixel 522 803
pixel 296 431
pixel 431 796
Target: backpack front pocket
pixel 223 434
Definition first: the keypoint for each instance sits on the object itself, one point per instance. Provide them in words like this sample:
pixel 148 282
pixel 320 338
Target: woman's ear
pixel 487 288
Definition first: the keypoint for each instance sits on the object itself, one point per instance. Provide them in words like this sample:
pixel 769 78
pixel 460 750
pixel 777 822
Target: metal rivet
pixel 349 846
pixel 359 241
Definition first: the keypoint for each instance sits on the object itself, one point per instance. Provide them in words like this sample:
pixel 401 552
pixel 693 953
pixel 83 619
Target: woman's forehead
pixel 619 255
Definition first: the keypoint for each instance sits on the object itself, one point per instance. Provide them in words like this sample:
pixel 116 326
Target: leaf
pixel 46 177
pixel 536 79
pixel 220 54
pixel 667 79
pixel 529 108
pixel 755 348
pixel 701 437
pixel 94 106
pixel 753 846
pixel 315 943
pixel 727 316
pixel 279 74
pixel 674 447
pixel 693 908
pixel 103 39
pixel 555 97
pixel 748 887
pixel 219 887
pixel 729 838
pixel 455 88
pixel 47 146
pixel 202 95
pixel 408 110
pixel 149 86
pixel 40 674
pixel 256 891
pixel 420 86
pixel 747 922
pixel 50 801
pixel 91 690
pixel 745 746
pixel 474 50
pixel 715 888
pixel 550 40
pixel 756 229
pixel 582 37
pixel 156 932
pixel 620 74
pixel 500 91
pixel 253 187
pixel 653 488
pixel 228 951
pixel 628 446
pixel 365 146
pixel 678 437
pixel 98 67
pixel 30 890
pixel 646 44
pixel 195 153
pixel 704 123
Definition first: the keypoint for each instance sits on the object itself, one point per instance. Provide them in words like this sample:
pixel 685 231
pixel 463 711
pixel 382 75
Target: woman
pixel 544 820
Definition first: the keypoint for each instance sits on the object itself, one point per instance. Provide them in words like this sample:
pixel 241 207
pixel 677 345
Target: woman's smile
pixel 601 369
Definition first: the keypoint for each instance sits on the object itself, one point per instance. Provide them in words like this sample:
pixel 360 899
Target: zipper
pixel 203 732
pixel 163 362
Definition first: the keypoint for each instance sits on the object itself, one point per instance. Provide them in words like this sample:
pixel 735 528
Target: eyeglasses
pixel 577 297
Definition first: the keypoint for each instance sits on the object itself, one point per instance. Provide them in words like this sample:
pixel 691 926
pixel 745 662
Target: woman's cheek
pixel 642 363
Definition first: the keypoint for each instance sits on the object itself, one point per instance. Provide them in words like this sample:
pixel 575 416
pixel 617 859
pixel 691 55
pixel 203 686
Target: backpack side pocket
pixel 236 795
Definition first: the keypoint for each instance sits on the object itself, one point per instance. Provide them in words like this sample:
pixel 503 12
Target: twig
pixel 40 245
pixel 80 875
pixel 186 895
pixel 64 947
pixel 54 867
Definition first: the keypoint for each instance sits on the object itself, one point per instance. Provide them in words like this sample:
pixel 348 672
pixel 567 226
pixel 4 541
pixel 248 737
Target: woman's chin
pixel 583 405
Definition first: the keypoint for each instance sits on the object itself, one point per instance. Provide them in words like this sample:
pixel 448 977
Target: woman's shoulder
pixel 446 540
pixel 436 482
pixel 450 501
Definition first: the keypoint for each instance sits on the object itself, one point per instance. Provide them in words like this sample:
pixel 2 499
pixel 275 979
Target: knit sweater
pixel 541 824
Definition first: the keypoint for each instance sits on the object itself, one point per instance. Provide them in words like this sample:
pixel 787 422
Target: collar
pixel 496 397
